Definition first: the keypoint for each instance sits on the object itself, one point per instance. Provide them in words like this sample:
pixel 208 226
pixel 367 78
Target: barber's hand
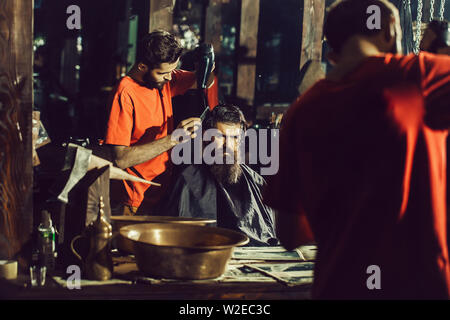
pixel 189 126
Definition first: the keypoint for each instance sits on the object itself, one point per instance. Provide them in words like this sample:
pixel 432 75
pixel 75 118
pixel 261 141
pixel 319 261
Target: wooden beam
pixel 213 30
pixel 313 18
pixel 248 40
pixel 161 15
pixel 16 87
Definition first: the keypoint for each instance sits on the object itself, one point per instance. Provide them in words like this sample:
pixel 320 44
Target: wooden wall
pixel 313 18
pixel 16 55
pixel 213 30
pixel 161 15
pixel 248 43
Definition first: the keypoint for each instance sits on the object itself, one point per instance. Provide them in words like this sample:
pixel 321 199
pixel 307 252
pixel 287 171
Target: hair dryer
pixel 205 59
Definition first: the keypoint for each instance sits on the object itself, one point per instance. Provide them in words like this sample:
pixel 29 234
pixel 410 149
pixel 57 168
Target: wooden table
pixel 128 283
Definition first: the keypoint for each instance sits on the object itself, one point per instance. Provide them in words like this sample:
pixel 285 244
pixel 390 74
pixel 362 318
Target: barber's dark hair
pixel 347 18
pixel 225 113
pixel 158 47
pixel 442 31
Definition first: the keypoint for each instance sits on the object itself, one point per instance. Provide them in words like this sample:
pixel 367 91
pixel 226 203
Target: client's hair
pixel 225 113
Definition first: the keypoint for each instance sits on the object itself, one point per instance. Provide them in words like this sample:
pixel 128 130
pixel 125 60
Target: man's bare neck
pixel 135 75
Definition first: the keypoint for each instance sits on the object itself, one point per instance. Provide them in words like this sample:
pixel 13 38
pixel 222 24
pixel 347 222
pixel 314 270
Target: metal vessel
pixel 98 264
pixel 126 246
pixel 180 251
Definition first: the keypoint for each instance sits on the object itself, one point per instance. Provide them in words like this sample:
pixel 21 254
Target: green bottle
pixel 46 241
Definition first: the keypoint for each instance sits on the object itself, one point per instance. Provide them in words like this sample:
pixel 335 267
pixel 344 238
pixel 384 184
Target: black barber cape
pixel 239 207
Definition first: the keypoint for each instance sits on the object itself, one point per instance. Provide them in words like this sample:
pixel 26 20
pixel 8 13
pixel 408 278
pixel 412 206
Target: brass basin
pixel 126 246
pixel 180 251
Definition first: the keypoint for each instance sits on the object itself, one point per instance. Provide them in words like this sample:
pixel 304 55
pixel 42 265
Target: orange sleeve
pixel 435 72
pixel 181 82
pixel 120 123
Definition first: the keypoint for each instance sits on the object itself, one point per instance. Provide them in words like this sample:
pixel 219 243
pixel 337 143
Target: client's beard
pixel 226 174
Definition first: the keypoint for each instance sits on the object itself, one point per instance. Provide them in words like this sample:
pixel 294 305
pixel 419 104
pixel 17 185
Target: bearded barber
pixel 140 121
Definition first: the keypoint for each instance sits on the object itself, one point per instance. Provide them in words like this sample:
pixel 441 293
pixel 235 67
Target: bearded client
pixel 229 193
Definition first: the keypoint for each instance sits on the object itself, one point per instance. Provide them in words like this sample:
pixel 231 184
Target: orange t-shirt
pixel 359 161
pixel 140 114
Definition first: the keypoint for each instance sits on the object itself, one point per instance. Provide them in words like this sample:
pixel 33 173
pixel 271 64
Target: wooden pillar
pixel 248 45
pixel 161 15
pixel 213 30
pixel 16 174
pixel 313 18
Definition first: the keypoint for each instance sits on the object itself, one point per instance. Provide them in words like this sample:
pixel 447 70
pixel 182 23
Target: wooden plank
pixel 248 39
pixel 16 214
pixel 313 18
pixel 161 15
pixel 129 283
pixel 164 291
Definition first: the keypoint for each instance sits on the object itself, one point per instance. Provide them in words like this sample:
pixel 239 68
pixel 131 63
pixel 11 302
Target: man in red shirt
pixel 363 164
pixel 141 119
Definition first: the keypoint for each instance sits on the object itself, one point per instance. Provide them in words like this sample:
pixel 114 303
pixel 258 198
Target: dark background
pixel 81 67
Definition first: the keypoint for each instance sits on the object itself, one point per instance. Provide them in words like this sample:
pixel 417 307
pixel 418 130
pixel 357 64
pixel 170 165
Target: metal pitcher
pixel 98 264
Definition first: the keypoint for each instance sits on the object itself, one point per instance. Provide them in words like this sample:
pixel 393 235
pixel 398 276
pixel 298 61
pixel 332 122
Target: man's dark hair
pixel 442 31
pixel 225 113
pixel 158 47
pixel 347 18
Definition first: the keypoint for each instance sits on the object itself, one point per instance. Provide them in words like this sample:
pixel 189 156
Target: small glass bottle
pixel 46 242
pixel 34 268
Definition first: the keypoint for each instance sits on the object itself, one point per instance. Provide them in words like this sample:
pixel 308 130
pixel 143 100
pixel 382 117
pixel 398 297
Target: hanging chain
pixel 313 30
pixel 418 26
pixel 409 45
pixel 432 10
pixel 406 4
pixel 441 10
